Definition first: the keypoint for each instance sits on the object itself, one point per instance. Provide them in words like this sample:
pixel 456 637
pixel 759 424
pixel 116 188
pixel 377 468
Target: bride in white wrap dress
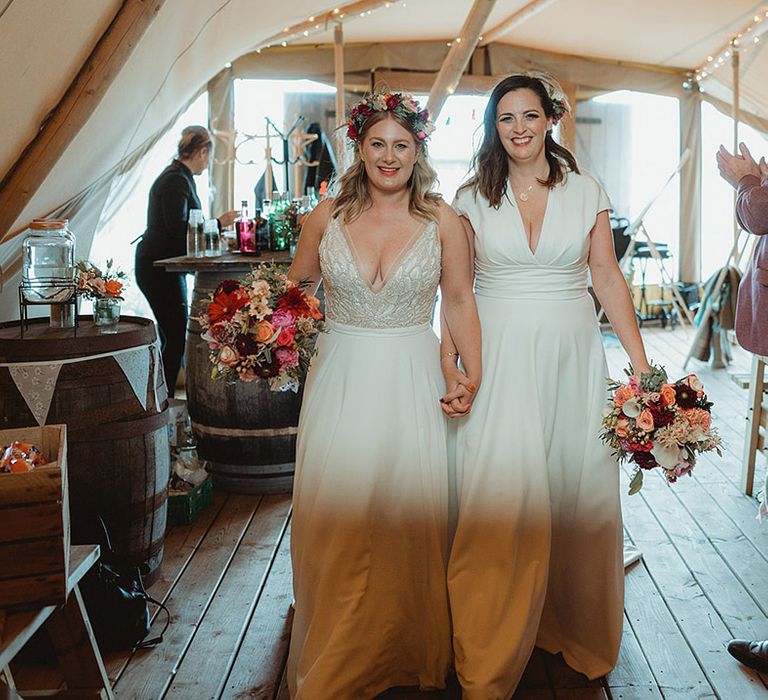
pixel 537 557
pixel 369 528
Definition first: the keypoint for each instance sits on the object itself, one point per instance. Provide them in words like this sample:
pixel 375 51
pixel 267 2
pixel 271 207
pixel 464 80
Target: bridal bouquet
pixel 92 283
pixel 653 423
pixel 262 326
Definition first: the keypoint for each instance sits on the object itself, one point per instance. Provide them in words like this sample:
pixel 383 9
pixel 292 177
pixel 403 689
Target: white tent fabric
pixel 190 41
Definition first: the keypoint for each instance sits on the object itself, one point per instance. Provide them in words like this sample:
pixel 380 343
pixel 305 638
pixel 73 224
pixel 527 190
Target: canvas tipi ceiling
pixel 88 85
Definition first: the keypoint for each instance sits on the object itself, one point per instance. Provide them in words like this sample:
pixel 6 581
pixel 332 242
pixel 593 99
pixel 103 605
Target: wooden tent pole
pixel 515 19
pixel 65 120
pixel 458 57
pixel 338 67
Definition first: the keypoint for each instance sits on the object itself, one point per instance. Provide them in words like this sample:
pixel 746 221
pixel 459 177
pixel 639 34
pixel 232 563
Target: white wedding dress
pixel 537 556
pixel 369 528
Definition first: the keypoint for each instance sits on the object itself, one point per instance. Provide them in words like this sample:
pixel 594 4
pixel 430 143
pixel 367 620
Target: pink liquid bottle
pixel 245 228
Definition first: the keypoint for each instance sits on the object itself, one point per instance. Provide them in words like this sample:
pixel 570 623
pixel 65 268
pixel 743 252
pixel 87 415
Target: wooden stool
pixel 70 633
pixel 757 422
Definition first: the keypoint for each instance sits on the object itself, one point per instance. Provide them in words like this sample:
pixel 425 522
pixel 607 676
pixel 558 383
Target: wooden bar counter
pixel 245 431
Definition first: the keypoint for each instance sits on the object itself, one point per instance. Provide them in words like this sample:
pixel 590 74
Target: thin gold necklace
pixel 523 196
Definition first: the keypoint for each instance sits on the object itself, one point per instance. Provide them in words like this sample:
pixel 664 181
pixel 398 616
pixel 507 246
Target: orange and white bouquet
pixel 92 283
pixel 262 326
pixel 655 423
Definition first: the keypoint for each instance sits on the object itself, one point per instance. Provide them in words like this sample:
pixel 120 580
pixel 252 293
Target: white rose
pixel 667 457
pixel 631 408
pixel 228 356
pixel 695 383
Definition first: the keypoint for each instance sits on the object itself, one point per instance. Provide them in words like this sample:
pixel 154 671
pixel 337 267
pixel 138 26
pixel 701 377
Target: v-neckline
pixel 396 263
pixel 523 230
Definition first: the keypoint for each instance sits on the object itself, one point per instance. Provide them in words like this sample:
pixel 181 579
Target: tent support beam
pixel 221 124
pixel 338 69
pixel 74 109
pixel 458 56
pixel 515 19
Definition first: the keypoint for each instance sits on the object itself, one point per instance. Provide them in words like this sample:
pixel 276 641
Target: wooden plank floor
pixel 702 580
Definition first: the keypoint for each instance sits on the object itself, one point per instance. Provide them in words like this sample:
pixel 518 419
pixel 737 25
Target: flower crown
pixel 555 92
pixel 402 105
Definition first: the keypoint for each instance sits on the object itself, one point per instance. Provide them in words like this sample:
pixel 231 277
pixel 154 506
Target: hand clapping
pixel 734 167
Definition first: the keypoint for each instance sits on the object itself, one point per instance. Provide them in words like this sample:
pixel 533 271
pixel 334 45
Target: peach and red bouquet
pixel 261 327
pixel 92 283
pixel 654 423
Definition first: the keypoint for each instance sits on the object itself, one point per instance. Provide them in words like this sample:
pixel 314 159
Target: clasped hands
pixel 460 390
pixel 734 167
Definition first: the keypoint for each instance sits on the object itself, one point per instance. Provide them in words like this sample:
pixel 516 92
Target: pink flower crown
pixel 402 105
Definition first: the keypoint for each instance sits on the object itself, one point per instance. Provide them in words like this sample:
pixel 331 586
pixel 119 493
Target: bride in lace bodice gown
pixel 369 527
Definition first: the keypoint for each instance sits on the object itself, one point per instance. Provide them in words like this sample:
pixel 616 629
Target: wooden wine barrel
pixel 246 431
pixel 118 454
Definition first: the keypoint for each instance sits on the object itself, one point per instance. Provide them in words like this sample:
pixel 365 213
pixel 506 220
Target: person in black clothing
pixel 171 197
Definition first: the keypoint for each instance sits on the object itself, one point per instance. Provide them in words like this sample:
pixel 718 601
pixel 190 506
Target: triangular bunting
pixel 161 390
pixel 36 384
pixel 135 366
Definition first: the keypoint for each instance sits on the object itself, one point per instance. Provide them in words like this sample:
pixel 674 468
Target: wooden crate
pixel 34 523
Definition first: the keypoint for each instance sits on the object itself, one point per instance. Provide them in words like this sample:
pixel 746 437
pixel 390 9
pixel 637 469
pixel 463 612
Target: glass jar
pixel 48 269
pixel 212 238
pixel 106 314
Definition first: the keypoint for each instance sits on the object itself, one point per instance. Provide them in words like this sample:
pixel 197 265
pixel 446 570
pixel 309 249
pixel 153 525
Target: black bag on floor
pixel 118 604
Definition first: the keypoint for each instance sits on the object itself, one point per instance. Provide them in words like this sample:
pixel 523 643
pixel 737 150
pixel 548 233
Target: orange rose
pixel 645 421
pixel 623 393
pixel 264 331
pixel 621 427
pixel 667 395
pixel 113 288
pixel 314 307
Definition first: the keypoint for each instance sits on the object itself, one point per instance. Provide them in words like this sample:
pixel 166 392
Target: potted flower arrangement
pixel 105 288
pixel 262 326
pixel 656 423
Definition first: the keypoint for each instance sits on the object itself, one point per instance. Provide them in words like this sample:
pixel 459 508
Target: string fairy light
pixel 316 24
pixel 743 41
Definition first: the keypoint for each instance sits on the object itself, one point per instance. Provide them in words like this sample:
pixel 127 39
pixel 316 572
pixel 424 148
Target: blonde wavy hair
pixel 353 196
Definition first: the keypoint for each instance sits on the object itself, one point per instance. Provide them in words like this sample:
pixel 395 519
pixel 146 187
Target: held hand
pixel 228 218
pixel 733 168
pixel 460 392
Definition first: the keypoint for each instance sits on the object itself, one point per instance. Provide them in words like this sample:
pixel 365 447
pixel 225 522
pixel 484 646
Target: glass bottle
pixel 212 238
pixel 195 241
pixel 245 227
pixel 48 269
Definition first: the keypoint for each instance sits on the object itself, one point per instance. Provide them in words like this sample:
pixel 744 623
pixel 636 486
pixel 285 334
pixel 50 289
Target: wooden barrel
pixel 245 431
pixel 118 454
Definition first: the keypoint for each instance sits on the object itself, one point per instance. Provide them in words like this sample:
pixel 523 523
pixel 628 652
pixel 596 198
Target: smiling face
pixel 522 125
pixel 389 153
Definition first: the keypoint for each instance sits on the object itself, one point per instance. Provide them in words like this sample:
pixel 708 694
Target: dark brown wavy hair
pixel 490 169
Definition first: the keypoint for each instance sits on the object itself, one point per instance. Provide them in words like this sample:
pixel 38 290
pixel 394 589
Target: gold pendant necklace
pixel 524 194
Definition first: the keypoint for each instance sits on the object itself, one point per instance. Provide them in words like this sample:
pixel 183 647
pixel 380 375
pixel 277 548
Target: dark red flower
pixel 352 131
pixel 365 110
pixel 644 460
pixel 685 396
pixel 227 286
pixel 391 101
pixel 246 344
pixel 267 370
pixel 662 417
pixel 295 301
pixel 424 115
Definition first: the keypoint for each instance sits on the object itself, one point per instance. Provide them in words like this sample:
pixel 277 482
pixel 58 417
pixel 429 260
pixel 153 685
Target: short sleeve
pixel 603 202
pixel 462 203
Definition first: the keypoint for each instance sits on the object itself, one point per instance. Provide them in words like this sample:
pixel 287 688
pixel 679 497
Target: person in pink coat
pixel 750 179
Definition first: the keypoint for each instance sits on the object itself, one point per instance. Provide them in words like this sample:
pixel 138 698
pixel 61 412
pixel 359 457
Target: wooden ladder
pixel 757 422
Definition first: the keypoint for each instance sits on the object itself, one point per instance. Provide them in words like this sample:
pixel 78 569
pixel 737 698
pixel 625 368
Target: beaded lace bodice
pixel 407 295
